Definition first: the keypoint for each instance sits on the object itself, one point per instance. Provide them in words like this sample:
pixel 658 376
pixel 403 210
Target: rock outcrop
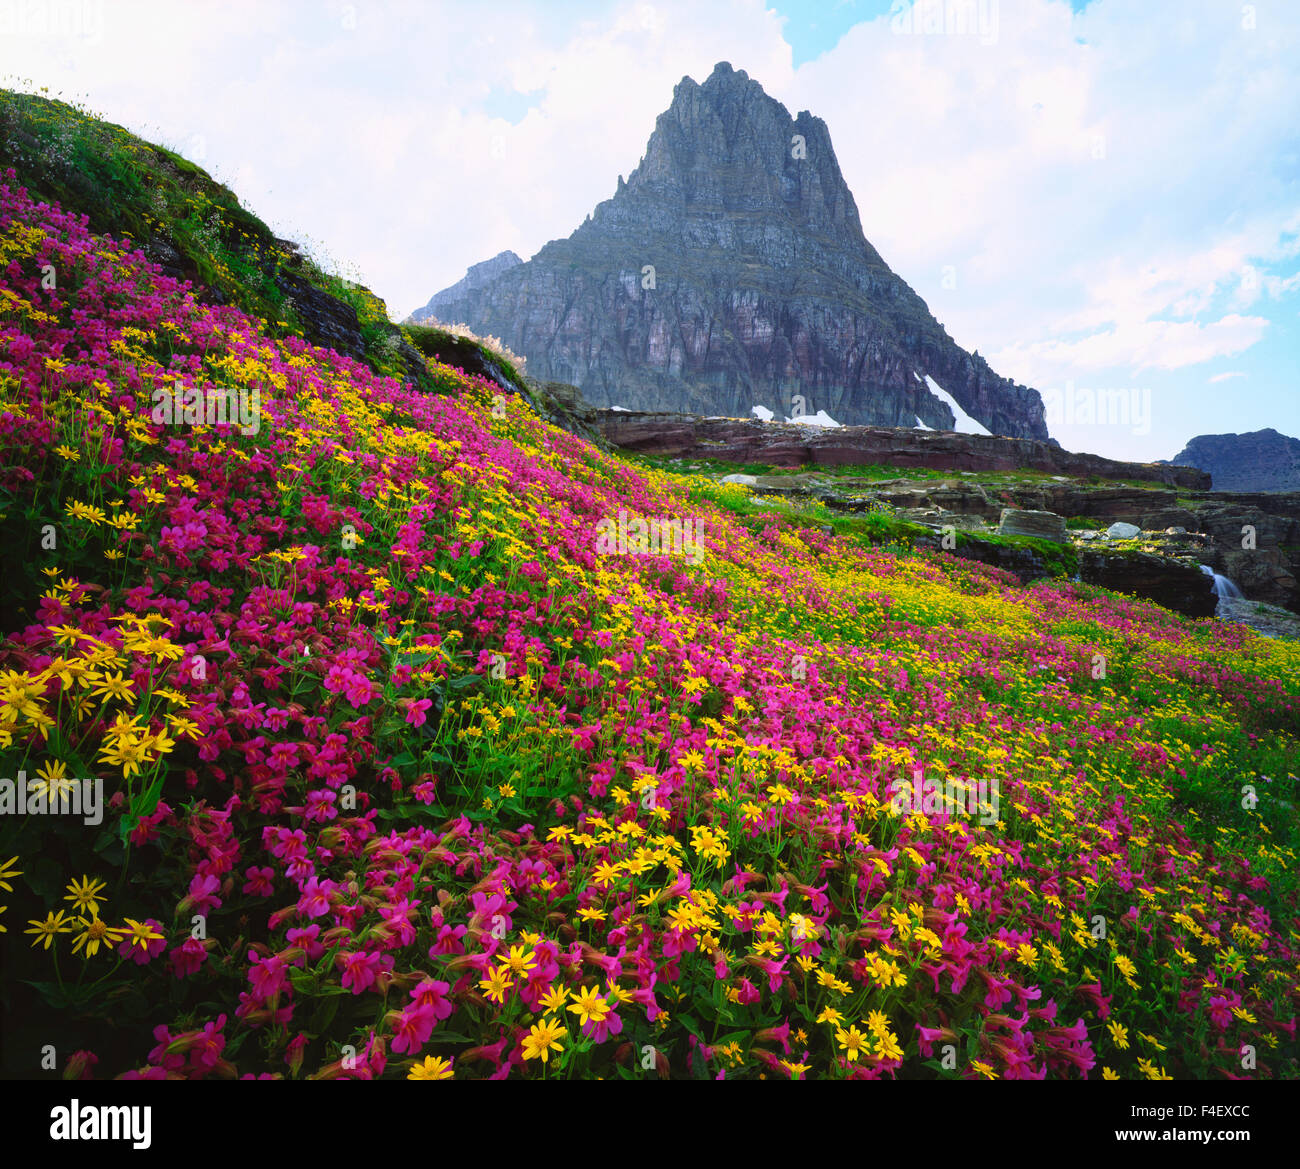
pixel 1262 460
pixel 731 271
pixel 1181 587
pixel 791 445
pixel 1172 583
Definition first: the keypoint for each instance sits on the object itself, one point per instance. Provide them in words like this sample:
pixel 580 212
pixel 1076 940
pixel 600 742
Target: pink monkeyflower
pixel 361 969
pixel 202 896
pixel 259 881
pixel 415 711
pixel 315 899
pixel 1220 1012
pixel 188 957
pixel 1092 992
pixel 208 1046
pixel 433 994
pixel 448 941
pixel 412 1028
pixel 779 1034
pixel 306 939
pixel 268 975
pixel 928 1036
pixel 81 1066
pixel 293 1056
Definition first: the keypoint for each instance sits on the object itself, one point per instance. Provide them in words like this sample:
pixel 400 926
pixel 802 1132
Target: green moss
pixel 1062 560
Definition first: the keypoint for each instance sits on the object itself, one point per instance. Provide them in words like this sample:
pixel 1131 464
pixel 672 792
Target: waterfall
pixel 1223 586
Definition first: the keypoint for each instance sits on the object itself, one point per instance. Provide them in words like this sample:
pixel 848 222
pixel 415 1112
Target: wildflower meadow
pixel 350 730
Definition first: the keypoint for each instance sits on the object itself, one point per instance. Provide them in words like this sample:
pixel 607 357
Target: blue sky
pixel 1096 197
pixel 814 27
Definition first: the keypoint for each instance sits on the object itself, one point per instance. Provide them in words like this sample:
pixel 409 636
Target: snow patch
pixel 621 409
pixel 762 413
pixel 921 425
pixel 821 418
pixel 965 423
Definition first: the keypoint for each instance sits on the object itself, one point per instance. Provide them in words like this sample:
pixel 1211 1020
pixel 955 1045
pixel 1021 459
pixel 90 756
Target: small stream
pixel 1224 587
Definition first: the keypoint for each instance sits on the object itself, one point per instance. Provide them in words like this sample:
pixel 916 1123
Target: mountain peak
pixel 730 270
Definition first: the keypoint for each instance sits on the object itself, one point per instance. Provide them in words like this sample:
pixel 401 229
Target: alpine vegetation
pixel 426 737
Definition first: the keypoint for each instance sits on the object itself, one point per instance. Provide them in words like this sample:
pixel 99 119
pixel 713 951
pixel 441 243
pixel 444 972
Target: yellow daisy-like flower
pixel 519 961
pixel 6 872
pixel 852 1042
pixel 497 984
pixel 51 927
pixel 108 686
pixel 589 1005
pixel 96 933
pixel 140 934
pixel 84 895
pixel 432 1067
pixel 542 1039
pixel 555 998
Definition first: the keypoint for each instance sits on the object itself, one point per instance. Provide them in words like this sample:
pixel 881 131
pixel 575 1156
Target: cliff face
pixel 1262 460
pixel 730 270
pixel 477 277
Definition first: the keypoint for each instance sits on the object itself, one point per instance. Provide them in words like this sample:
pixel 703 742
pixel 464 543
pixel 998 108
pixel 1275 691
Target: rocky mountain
pixel 475 278
pixel 730 271
pixel 1262 460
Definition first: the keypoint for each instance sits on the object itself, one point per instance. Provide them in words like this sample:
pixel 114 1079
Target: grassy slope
pixel 669 774
pixel 135 189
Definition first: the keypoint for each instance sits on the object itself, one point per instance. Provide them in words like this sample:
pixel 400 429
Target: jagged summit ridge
pixel 730 270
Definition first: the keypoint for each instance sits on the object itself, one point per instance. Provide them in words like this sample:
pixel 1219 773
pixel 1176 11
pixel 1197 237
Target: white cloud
pixel 1102 185
pixel 1228 376
pixel 1138 346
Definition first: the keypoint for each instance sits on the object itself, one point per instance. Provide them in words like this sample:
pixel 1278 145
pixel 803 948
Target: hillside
pixel 418 760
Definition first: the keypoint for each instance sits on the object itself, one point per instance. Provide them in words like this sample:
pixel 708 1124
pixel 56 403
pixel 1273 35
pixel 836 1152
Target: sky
pixel 1102 197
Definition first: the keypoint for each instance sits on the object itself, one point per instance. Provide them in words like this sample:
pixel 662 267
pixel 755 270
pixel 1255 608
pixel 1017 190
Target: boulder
pixel 1122 531
pixel 1042 525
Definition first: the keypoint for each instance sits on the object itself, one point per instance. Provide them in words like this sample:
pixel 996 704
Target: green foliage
pixel 458 350
pixel 128 187
pixel 1062 560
